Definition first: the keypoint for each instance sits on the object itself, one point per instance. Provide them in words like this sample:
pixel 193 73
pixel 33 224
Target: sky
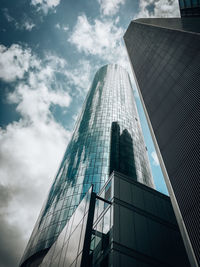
pixel 49 53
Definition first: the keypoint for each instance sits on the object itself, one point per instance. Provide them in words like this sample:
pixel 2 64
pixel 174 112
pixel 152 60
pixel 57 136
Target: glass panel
pixel 87 157
pixel 98 232
pixel 195 3
pixel 188 3
pixel 182 4
pixel 101 207
pixel 78 262
pixel 108 191
pixel 82 237
pixel 106 222
pixel 73 244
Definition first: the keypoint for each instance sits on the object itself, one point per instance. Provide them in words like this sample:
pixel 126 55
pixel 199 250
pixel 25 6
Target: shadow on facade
pixel 122 152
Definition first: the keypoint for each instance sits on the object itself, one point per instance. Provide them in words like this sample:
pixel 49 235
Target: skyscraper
pixel 107 136
pixel 165 56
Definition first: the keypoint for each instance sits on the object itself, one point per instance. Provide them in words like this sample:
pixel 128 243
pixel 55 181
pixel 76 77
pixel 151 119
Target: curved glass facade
pixel 107 137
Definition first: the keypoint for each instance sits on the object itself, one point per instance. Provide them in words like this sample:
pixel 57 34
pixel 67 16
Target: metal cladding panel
pixel 144 231
pixel 87 157
pixel 166 63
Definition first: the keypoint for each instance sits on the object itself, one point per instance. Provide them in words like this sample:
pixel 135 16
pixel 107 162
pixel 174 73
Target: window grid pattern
pixel 68 248
pixel 87 157
pixel 166 65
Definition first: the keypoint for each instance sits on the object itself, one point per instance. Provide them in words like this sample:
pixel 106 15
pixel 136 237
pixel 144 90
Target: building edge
pixel 36 258
pixel 181 224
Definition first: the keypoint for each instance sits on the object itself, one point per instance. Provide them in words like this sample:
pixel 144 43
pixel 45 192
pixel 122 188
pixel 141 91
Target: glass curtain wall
pixel 108 116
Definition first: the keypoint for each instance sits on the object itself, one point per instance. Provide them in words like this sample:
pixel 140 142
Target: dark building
pixel 108 125
pixel 189 8
pixel 126 224
pixel 165 58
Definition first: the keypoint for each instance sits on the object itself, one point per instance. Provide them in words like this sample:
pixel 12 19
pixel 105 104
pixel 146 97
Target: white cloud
pixel 7 15
pixel 80 76
pixel 158 8
pixel 57 26
pixel 30 149
pixel 63 27
pixel 155 158
pixel 30 154
pixel 110 7
pixel 95 38
pixel 45 5
pixel 34 103
pixel 25 24
pixel 28 25
pixel 100 38
pixel 14 62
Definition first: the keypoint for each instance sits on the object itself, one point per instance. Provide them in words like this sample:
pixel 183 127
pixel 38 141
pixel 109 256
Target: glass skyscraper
pixel 107 137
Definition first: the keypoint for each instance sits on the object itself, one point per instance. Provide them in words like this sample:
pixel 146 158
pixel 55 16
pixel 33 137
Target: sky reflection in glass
pixel 107 136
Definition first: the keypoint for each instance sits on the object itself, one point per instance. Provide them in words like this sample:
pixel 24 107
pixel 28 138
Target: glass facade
pixel 107 136
pixel 70 247
pixel 126 224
